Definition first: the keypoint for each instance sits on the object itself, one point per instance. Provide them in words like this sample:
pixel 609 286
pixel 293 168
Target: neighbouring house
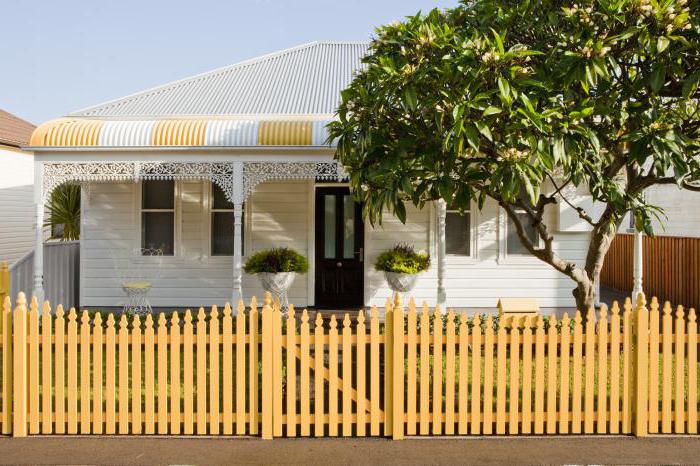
pixel 16 188
pixel 214 167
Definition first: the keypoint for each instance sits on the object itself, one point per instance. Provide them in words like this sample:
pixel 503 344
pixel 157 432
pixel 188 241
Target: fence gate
pixel 327 382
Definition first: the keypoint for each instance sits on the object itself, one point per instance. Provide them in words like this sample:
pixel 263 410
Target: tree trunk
pixel 584 293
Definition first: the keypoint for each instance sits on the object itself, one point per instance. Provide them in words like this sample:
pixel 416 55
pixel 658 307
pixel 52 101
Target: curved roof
pixel 302 80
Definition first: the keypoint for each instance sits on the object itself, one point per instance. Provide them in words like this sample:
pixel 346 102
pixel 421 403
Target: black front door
pixel 339 249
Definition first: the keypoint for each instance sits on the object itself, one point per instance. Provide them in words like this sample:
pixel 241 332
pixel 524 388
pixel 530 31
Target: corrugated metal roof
pixel 303 80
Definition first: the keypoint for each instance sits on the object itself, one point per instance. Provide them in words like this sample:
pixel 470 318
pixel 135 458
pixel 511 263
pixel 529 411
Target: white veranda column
pixel 441 214
pixel 38 290
pixel 237 293
pixel 638 263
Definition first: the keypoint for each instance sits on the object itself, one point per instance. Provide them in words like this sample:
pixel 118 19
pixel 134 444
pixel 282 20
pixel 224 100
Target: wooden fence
pixel 632 370
pixel 671 267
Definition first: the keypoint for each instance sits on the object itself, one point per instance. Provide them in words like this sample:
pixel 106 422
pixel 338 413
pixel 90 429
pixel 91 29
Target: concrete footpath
pixel 504 450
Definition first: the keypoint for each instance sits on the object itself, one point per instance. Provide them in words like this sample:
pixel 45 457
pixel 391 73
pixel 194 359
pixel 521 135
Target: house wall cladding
pixel 16 205
pixel 281 214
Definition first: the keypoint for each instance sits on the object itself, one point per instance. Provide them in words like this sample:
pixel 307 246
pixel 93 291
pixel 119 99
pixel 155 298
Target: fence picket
pixel 19 367
pixel 187 375
pixel 162 374
pixel 228 370
pixel 333 378
pixel 276 369
pixel 514 379
pixel 291 373
pixel 564 355
pixel 589 375
pixel 240 368
pixel 110 373
pixel 526 425
pixel 136 375
pixel 123 381
pixel 85 388
pixel 150 376
pixel 213 353
pixel 487 427
pixel 424 413
pixel 374 371
pixel 679 381
pixel 7 371
pixel 97 362
pixel 411 368
pixel 319 366
pixel 347 377
pixel 692 372
pixel 615 369
pixel 601 423
pixel 388 367
pixel 304 376
pixel 576 383
pixel 361 383
pixel 47 404
pixel 33 367
pixel 627 367
pixel 450 374
pixel 501 378
pixel 667 375
pixel 462 406
pixel 437 371
pixel 476 377
pixel 175 374
pixel 654 366
pixel 253 370
pixel 201 377
pixel 552 375
pixel 539 376
pixel 72 355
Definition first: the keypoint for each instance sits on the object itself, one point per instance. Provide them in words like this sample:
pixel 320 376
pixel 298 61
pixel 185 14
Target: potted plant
pixel 276 269
pixel 401 266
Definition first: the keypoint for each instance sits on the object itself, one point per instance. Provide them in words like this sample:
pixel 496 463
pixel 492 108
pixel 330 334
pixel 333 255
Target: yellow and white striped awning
pixel 82 132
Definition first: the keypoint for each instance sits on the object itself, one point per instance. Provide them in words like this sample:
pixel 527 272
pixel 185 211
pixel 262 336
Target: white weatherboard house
pixel 214 167
pixel 16 189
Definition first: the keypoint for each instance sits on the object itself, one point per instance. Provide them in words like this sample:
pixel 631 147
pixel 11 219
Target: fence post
pixel 19 379
pixel 398 370
pixel 267 360
pixel 641 368
pixel 4 282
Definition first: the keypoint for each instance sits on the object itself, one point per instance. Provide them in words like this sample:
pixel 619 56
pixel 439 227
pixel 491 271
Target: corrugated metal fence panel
pixel 61 273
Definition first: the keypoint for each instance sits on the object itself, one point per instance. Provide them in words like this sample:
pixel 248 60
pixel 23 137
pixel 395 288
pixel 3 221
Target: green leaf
pixel 410 99
pixel 491 110
pixel 484 129
pixel 499 41
pixel 472 136
pixel 657 78
pixel 662 43
pixel 504 87
pixel 559 150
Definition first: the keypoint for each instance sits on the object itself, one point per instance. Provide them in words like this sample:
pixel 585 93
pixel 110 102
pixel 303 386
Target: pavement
pixel 472 450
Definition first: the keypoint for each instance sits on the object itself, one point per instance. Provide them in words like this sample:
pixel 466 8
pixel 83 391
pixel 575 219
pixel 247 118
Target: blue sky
pixel 63 55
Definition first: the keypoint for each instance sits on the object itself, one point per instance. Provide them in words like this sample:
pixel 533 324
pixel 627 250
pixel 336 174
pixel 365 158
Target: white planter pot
pixel 401 282
pixel 277 283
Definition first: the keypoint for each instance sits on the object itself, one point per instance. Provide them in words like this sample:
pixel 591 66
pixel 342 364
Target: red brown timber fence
pixel 671 267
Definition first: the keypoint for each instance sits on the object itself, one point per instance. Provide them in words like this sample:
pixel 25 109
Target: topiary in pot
pixel 276 269
pixel 401 266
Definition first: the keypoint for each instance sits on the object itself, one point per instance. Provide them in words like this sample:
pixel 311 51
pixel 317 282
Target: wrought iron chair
pixel 136 272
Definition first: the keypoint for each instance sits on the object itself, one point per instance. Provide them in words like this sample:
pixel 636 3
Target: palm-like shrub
pixel 63 212
pixel 276 260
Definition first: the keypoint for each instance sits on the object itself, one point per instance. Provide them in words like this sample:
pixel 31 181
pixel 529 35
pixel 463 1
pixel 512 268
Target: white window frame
pixel 503 256
pixel 454 259
pixel 139 210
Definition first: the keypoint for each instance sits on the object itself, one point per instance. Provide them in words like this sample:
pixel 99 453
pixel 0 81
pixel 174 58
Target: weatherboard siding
pixel 16 204
pixel 279 214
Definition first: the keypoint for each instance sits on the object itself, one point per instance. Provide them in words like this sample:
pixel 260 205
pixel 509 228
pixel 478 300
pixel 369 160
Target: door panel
pixel 339 249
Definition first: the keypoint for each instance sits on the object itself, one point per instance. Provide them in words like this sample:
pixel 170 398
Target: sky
pixel 59 56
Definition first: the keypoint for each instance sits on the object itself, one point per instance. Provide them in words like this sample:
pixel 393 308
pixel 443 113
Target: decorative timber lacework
pixel 236 179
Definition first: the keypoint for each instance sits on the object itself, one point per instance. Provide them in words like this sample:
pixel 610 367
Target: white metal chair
pixel 137 271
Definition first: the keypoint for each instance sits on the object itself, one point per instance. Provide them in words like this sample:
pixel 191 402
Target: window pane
pixel 158 231
pixel 348 227
pixel 513 244
pixel 329 226
pixel 458 233
pixel 222 234
pixel 158 194
pixel 219 198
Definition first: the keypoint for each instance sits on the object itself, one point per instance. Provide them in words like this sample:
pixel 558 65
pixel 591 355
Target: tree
pixel 63 212
pixel 520 101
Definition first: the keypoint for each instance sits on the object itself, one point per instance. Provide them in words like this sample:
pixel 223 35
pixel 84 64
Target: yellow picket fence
pixel 411 371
